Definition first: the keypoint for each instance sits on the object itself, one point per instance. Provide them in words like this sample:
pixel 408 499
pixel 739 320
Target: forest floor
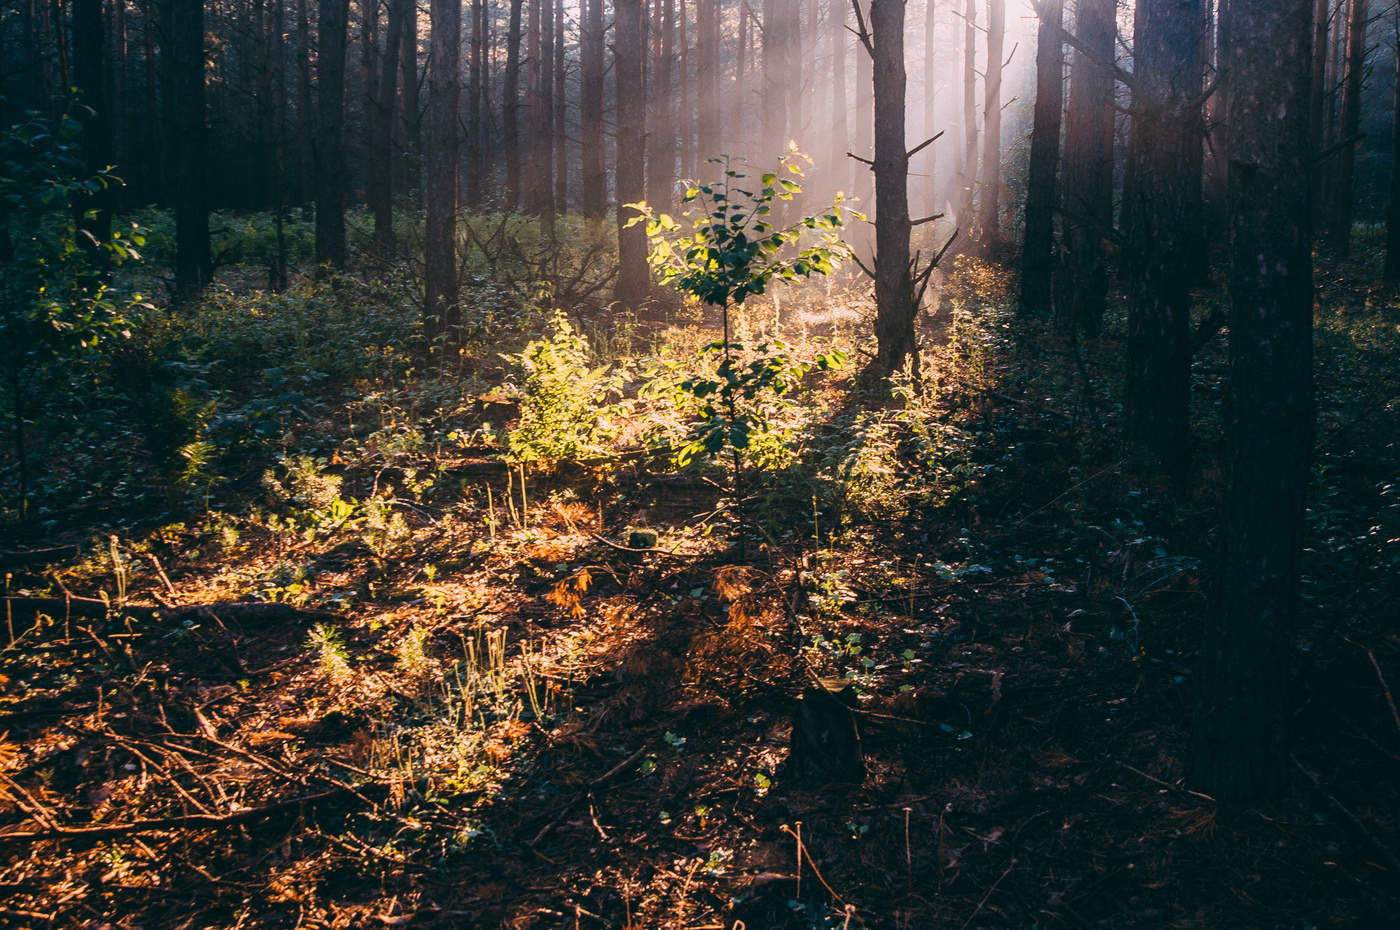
pixel 458 707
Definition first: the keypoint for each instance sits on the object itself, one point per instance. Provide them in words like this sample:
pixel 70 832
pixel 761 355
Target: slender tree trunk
pixel 184 91
pixel 632 281
pixel 840 129
pixel 1037 257
pixel 894 286
pixel 277 70
pixel 411 126
pixel 863 179
pixel 561 129
pixel 962 212
pixel 330 146
pixel 476 93
pixel 594 178
pixel 990 221
pixel 707 76
pixel 686 123
pixel 381 167
pixel 306 119
pixel 1161 208
pixel 1344 191
pixel 774 91
pixel 1392 216
pixel 94 212
pixel 930 184
pixel 440 308
pixel 1317 96
pixel 1239 739
pixel 511 117
pixel 661 148
pixel 1088 174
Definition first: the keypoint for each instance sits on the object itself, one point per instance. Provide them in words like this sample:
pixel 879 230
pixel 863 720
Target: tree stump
pixel 825 744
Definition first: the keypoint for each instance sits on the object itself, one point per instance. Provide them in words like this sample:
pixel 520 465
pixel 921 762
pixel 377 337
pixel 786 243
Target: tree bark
pixel 1392 216
pixel 184 90
pixel 1088 174
pixel 632 281
pixel 411 127
pixel 1344 186
pixel 381 180
pixel 476 95
pixel 840 128
pixel 930 184
pixel 894 286
pixel 962 210
pixel 306 118
pixel 1161 204
pixel 1038 253
pixel 511 104
pixel 94 112
pixel 595 180
pixel 990 220
pixel 440 308
pixel 1239 746
pixel 661 147
pixel 561 107
pixel 330 146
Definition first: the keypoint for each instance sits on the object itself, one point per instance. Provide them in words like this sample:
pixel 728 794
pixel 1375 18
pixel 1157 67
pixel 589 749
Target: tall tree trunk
pixel 1161 204
pixel 330 145
pixel 440 309
pixel 1038 254
pixel 306 119
pixel 1088 174
pixel 94 212
pixel 990 220
pixel 840 129
pixel 511 116
pixel 661 165
pixel 863 179
pixel 962 211
pixel 476 95
pixel 1392 216
pixel 381 167
pixel 594 178
pixel 1317 96
pixel 1239 740
pixel 561 129
pixel 894 286
pixel 707 76
pixel 184 92
pixel 410 109
pixel 686 136
pixel 632 281
pixel 930 184
pixel 1344 191
pixel 774 70
pixel 277 104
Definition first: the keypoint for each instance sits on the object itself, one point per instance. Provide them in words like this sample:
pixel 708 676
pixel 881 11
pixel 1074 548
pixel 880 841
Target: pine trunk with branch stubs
pixel 989 222
pixel 440 307
pixel 1392 216
pixel 632 279
pixel 1239 741
pixel 410 110
pixel 1038 253
pixel 774 104
pixel 330 142
pixel 1161 206
pixel 184 91
pixel 306 118
pixel 1344 187
pixel 707 77
pixel 1317 97
pixel 930 156
pixel 1088 170
pixel 894 286
pixel 839 37
pixel 594 177
pixel 863 135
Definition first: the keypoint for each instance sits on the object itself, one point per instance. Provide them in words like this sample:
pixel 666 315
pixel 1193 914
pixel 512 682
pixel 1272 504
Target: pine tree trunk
pixel 1088 174
pixel 381 182
pixel 894 288
pixel 330 144
pixel 632 281
pixel 511 116
pixel 410 109
pixel 440 309
pixel 1037 256
pixel 561 129
pixel 595 181
pixel 1239 744
pixel 661 165
pixel 306 117
pixel 1392 216
pixel 94 212
pixel 839 36
pixel 990 221
pixel 184 91
pixel 930 184
pixel 1161 205
pixel 473 188
pixel 962 210
pixel 1344 189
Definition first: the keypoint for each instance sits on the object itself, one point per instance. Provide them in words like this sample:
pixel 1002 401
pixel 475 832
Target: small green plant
pixel 733 251
pixel 563 413
pixel 330 651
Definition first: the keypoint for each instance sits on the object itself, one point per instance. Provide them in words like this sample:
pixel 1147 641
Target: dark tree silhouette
pixel 330 140
pixel 440 230
pixel 184 95
pixel 632 279
pixel 1239 740
pixel 1037 256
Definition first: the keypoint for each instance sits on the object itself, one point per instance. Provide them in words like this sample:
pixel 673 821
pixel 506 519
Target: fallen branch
pixel 94 609
pixel 23 559
pixel 157 824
